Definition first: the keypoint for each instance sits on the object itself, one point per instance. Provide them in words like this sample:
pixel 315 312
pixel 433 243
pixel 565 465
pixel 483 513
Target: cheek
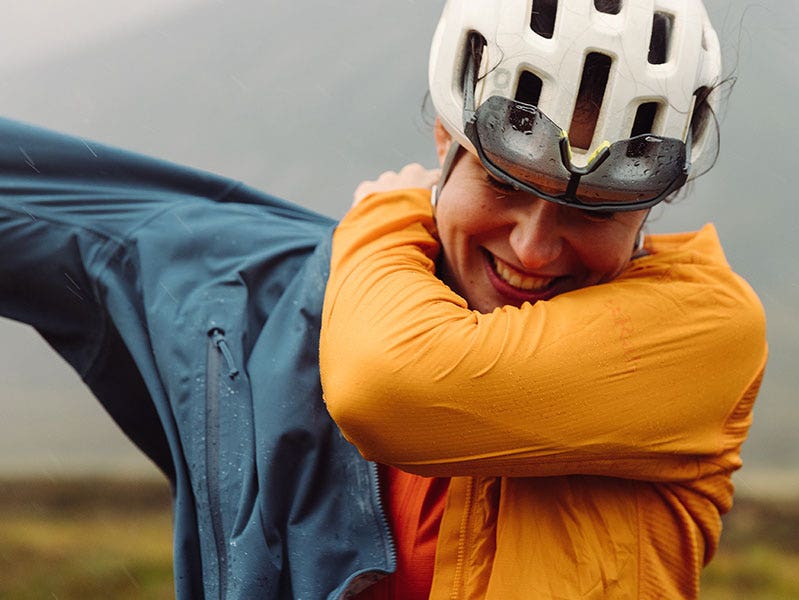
pixel 605 252
pixel 468 207
pixel 464 221
pixel 461 215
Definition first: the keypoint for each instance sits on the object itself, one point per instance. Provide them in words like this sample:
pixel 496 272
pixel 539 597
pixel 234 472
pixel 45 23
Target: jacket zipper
pixel 217 352
pixel 218 337
pixel 464 540
pixel 353 588
pixel 381 512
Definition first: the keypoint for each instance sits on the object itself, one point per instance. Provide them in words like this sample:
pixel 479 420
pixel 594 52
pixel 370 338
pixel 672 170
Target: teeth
pixel 519 280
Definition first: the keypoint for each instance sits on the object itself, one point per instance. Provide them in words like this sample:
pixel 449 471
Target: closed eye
pixel 500 186
pixel 596 216
pixel 592 216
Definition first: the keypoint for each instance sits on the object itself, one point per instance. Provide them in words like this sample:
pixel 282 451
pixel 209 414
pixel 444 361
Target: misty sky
pixel 305 100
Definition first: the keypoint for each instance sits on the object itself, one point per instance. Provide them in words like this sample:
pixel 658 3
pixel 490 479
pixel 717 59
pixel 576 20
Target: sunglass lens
pixel 523 143
pixel 637 170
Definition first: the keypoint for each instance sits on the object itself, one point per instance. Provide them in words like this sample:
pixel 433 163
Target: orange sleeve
pixel 637 378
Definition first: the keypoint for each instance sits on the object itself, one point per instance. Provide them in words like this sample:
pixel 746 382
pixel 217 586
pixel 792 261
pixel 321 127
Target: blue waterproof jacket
pixel 190 304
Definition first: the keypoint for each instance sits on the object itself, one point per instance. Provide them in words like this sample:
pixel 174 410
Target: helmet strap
pixel 446 169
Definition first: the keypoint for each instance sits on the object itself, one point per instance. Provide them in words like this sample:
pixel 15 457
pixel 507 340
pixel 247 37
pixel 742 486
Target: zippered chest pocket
pixel 226 405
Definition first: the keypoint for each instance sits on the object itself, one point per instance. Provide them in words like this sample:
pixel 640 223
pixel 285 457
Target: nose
pixel 536 235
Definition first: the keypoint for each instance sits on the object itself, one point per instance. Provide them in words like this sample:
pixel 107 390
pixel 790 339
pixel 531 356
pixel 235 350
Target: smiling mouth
pixel 517 279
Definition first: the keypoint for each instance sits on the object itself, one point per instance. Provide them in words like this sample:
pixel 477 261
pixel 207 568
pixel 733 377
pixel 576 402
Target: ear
pixel 443 140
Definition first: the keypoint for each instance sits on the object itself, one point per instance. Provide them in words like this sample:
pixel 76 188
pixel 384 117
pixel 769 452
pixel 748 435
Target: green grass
pixel 99 539
pixel 758 558
pixel 85 539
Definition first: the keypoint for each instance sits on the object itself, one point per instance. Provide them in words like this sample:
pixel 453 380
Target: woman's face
pixel 502 246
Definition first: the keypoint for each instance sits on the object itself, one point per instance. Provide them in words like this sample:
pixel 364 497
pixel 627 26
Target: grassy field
pixel 100 539
pixel 85 539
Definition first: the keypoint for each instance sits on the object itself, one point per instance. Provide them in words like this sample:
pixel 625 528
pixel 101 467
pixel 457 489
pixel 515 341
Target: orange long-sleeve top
pixel 590 438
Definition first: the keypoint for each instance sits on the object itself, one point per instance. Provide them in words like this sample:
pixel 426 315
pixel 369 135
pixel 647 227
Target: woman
pixel 590 427
pixel 192 307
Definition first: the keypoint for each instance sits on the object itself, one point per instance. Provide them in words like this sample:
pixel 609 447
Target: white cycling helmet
pixel 651 60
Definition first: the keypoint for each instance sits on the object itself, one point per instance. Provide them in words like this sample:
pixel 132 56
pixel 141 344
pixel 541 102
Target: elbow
pixel 361 397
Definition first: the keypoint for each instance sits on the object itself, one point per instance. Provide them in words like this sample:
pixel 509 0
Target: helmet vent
pixel 589 100
pixel 474 45
pixel 662 24
pixel 542 19
pixel 645 119
pixel 529 88
pixel 609 7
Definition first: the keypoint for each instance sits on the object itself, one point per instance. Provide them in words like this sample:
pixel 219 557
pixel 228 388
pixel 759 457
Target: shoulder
pixel 696 270
pixel 689 273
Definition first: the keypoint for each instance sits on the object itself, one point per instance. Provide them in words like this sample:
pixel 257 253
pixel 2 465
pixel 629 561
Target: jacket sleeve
pixel 67 209
pixel 641 378
pixel 65 206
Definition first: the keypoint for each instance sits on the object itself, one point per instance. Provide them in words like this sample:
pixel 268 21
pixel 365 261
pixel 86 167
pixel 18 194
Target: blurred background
pixel 304 100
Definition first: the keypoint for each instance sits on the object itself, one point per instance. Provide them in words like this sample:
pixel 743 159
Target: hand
pixel 411 176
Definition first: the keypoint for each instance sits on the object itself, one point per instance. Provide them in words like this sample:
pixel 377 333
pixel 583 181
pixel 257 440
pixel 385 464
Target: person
pixel 535 400
pixel 587 394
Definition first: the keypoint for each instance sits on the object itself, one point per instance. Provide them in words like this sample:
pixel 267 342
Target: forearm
pixel 605 380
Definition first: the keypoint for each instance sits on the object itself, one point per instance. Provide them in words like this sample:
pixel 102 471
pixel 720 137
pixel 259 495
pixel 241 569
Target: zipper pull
pixel 218 337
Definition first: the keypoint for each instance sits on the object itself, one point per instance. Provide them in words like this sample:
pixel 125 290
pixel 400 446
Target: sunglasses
pixel 519 145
